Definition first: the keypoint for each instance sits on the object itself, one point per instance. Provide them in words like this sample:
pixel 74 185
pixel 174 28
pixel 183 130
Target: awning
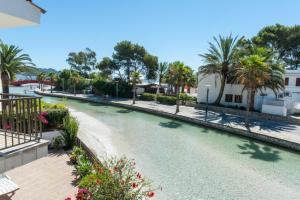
pixel 14 13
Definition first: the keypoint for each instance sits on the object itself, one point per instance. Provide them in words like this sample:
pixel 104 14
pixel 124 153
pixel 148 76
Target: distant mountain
pixel 47 70
pixel 26 76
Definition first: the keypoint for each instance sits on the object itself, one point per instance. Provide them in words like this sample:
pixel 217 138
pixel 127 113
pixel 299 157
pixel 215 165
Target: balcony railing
pixel 19 120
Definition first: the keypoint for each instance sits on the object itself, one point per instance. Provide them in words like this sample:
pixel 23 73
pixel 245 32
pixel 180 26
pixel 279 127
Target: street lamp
pixel 207 94
pixel 117 89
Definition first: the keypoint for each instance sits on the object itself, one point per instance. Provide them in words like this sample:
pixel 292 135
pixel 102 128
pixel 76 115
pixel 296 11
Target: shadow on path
pixel 264 153
pixel 170 124
pixel 237 120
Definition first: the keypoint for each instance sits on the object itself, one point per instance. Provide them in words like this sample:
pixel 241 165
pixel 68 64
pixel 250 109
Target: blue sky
pixel 170 29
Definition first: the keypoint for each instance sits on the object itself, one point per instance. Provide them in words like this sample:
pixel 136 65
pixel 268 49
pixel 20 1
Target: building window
pixel 286 81
pixel 238 99
pixel 297 81
pixel 228 98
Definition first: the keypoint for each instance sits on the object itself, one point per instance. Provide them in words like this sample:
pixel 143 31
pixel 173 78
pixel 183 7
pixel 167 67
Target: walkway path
pixel 280 133
pixel 47 178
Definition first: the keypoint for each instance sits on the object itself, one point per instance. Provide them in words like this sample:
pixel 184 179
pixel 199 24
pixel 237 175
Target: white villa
pixel 286 102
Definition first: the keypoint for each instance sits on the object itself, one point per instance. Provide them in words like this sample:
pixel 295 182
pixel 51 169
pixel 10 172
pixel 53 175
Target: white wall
pixel 18 13
pixel 234 89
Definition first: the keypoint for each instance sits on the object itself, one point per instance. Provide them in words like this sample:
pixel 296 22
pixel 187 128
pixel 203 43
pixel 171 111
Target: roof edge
pixel 43 11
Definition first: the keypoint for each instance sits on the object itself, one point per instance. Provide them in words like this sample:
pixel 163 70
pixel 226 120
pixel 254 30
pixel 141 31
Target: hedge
pixel 148 97
pixel 55 118
pixel 102 87
pixel 169 100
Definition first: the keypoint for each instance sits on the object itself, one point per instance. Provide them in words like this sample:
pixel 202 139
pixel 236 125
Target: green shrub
pixel 186 98
pixel 116 179
pixel 55 118
pixel 83 166
pixel 70 129
pixel 57 142
pixel 104 87
pixel 148 97
pixel 76 152
pixel 46 106
pixel 169 100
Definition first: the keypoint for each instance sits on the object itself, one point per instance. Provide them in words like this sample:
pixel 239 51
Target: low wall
pixel 22 154
pixel 261 137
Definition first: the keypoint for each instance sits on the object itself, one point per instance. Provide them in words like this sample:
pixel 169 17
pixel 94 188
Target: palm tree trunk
pixel 177 99
pixel 74 90
pixel 5 82
pixel 218 100
pixel 252 98
pixel 51 89
pixel 248 107
pixel 133 102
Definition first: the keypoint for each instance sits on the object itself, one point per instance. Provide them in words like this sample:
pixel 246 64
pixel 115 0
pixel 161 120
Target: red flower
pixel 100 170
pixel 42 119
pixel 68 198
pixel 44 114
pixel 139 176
pixel 7 127
pixel 134 185
pixel 98 182
pixel 150 194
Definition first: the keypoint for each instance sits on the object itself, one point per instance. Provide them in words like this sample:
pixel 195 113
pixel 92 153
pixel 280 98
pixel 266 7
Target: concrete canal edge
pixel 290 145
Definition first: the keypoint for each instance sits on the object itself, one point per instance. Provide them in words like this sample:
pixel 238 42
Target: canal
pixel 189 162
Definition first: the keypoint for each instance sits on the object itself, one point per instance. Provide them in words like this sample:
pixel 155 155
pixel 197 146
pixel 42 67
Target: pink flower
pixel 134 185
pixel 139 176
pixel 42 119
pixel 44 113
pixel 68 198
pixel 7 127
pixel 150 194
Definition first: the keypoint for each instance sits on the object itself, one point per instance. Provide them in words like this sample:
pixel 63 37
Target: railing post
pixel 40 123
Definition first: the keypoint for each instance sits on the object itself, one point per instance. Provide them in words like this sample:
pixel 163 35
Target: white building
pixel 287 101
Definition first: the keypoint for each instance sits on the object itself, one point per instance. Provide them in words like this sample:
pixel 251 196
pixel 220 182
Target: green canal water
pixel 192 162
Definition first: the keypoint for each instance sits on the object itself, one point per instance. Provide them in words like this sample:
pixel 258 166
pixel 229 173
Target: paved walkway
pixel 279 130
pixel 47 178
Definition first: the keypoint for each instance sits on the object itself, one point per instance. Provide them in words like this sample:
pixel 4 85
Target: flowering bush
pixel 42 117
pixel 112 179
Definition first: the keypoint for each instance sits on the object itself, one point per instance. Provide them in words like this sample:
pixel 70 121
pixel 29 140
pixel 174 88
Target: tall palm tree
pixel 220 60
pixel 179 77
pixel 41 78
pixel 135 78
pixel 161 72
pixel 52 77
pixel 257 71
pixel 75 78
pixel 12 61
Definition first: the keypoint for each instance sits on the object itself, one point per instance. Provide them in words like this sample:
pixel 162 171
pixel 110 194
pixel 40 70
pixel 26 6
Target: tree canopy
pixel 82 62
pixel 285 40
pixel 127 58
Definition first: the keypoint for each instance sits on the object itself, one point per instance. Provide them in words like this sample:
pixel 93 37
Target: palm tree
pixel 52 76
pixel 41 77
pixel 179 76
pixel 135 77
pixel 162 70
pixel 220 59
pixel 258 71
pixel 12 61
pixel 75 78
